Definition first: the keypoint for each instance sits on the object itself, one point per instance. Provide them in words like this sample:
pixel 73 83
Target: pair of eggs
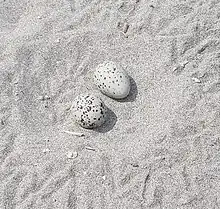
pixel 90 111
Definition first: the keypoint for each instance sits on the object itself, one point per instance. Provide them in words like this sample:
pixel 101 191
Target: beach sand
pixel 160 147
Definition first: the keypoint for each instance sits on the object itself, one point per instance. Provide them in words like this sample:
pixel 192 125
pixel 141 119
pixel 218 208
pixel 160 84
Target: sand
pixel 159 149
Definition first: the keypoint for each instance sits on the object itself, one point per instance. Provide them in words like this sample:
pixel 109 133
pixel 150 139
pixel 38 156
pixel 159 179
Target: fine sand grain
pixel 159 149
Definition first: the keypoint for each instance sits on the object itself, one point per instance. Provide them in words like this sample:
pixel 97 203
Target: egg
pixel 88 111
pixel 112 80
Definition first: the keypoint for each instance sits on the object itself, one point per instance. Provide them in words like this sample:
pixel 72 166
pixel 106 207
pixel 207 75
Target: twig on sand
pixel 69 108
pixel 125 35
pixel 146 180
pixel 90 148
pixel 74 133
pixel 179 68
pixel 125 29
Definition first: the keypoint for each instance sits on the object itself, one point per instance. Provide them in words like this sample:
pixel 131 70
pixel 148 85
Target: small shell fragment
pixel 72 155
pixel 46 150
pixel 196 80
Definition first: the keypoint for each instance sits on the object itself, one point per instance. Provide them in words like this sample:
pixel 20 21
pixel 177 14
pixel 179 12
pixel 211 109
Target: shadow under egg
pixel 110 122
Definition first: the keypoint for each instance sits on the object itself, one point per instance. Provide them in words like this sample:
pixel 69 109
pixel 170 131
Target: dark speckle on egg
pixel 86 111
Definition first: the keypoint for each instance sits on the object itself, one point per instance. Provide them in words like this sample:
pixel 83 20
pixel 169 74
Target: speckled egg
pixel 112 80
pixel 89 111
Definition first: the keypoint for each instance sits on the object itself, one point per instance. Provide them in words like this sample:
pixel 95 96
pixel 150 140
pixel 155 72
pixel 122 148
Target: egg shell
pixel 89 111
pixel 112 80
